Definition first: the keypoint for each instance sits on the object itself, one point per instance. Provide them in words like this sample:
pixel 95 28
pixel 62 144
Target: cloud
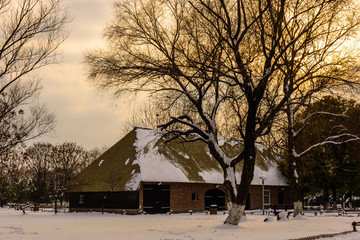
pixel 83 115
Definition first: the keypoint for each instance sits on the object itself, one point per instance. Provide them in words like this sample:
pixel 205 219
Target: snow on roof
pixel 143 156
pixel 153 165
pixel 157 167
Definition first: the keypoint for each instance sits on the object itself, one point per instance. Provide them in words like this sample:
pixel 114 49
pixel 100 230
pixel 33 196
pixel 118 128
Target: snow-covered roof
pixel 142 155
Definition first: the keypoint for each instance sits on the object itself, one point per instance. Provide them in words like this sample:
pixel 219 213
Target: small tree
pixel 69 159
pixel 39 159
pixel 14 179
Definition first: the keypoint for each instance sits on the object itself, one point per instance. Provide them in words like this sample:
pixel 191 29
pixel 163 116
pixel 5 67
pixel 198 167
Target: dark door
pixel 281 196
pixel 247 207
pixel 215 196
pixel 156 198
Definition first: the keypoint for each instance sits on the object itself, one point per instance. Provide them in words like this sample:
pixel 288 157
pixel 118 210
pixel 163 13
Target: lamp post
pixel 263 178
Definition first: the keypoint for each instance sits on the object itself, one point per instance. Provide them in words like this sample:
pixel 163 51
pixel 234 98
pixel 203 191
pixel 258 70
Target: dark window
pixel 81 199
pixel 194 196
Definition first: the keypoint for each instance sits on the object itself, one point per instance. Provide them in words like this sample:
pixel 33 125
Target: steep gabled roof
pixel 142 155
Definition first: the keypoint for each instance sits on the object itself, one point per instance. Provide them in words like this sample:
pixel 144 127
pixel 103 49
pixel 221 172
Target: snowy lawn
pixel 88 226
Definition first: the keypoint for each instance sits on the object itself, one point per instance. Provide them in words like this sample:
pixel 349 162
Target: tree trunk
pixel 236 195
pixel 326 198
pixel 235 213
pixel 333 189
pixel 294 185
pixel 292 167
pixel 56 200
pixel 298 204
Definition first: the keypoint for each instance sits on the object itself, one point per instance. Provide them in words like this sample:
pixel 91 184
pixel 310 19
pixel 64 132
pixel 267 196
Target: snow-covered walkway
pixel 91 226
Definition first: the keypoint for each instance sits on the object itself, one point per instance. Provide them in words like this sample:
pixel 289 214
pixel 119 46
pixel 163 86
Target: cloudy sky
pixel 83 115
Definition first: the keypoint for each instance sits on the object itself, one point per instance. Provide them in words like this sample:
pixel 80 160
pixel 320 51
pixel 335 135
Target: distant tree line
pixel 39 173
pixel 31 32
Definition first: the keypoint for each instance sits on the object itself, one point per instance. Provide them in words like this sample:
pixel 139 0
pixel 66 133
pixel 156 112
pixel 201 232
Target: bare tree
pixel 31 31
pixel 38 159
pixel 221 58
pixel 317 62
pixel 19 121
pixel 69 160
pixel 14 178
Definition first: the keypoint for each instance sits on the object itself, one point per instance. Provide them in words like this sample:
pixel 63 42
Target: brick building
pixel 142 173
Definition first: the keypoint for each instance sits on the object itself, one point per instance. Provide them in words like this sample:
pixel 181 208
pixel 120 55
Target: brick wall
pixel 181 196
pixel 256 196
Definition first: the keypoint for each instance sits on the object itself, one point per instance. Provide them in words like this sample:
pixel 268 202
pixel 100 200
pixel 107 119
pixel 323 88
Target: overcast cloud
pixel 83 115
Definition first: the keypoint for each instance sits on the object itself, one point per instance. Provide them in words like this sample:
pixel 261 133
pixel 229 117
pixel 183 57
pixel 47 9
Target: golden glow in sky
pixel 83 114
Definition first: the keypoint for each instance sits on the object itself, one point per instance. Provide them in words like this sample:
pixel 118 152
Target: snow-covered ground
pixel 91 226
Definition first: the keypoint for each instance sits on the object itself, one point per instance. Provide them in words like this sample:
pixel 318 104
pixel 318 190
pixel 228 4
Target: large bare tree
pixel 221 58
pixel 31 31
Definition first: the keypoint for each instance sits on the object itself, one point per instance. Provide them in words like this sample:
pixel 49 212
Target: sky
pixel 83 115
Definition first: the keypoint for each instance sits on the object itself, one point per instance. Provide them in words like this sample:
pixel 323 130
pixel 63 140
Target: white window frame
pixel 267 195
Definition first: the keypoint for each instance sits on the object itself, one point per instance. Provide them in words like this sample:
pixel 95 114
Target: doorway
pixel 217 197
pixel 156 198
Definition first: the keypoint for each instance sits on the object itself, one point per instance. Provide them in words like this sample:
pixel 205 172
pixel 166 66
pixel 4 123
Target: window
pixel 194 196
pixel 81 199
pixel 267 197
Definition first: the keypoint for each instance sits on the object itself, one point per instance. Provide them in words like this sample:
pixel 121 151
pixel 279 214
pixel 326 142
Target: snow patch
pixel 260 147
pixel 184 155
pixel 127 161
pixel 299 217
pixel 133 183
pixel 135 162
pixel 283 217
pixel 274 176
pixel 296 176
pixel 221 141
pixel 153 165
pixel 101 162
pixel 243 219
pixel 212 176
